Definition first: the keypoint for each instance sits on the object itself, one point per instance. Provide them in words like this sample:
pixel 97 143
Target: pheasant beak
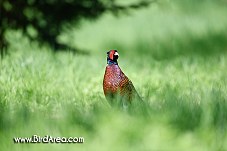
pixel 116 54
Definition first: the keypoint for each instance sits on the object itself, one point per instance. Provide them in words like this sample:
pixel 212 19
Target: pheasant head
pixel 112 57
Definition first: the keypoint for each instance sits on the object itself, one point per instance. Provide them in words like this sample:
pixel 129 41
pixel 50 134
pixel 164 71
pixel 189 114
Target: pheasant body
pixel 115 82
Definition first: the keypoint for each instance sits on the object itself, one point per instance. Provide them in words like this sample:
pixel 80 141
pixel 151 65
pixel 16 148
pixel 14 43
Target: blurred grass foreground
pixel 175 54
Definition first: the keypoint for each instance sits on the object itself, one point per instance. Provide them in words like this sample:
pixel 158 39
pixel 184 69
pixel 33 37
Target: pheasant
pixel 116 84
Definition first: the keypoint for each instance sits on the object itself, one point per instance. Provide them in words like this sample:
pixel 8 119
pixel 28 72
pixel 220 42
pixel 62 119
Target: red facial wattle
pixel 111 54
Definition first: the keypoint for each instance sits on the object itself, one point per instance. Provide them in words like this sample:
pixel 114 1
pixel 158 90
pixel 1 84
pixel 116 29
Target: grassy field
pixel 174 52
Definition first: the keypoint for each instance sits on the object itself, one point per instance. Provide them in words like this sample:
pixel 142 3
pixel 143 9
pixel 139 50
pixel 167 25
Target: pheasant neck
pixel 110 62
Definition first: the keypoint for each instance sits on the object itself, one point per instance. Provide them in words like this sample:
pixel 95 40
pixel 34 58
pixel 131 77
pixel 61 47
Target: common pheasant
pixel 116 84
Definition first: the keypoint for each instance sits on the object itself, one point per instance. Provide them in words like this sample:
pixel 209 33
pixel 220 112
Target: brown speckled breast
pixel 115 81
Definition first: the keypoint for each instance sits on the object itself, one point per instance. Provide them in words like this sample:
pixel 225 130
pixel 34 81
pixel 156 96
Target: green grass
pixel 175 54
